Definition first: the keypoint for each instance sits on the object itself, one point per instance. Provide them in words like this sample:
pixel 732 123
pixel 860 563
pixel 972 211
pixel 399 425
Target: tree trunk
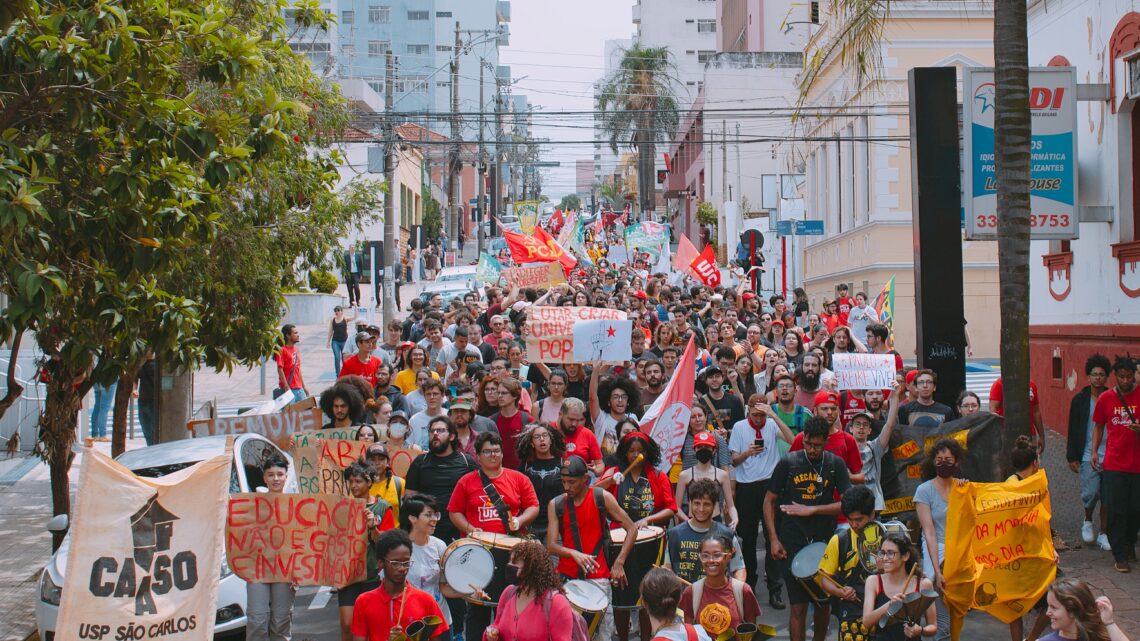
pixel 57 436
pixel 1012 131
pixel 14 391
pixel 123 395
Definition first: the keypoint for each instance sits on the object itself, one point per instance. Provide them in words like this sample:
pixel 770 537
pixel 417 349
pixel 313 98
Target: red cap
pixel 637 293
pixel 778 322
pixel 748 296
pixel 911 375
pixel 704 439
pixel 824 397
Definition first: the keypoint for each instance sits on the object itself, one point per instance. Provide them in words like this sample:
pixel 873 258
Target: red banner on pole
pixel 705 267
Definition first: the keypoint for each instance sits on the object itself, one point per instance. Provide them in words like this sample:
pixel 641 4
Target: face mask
pixel 946 470
pixel 397 430
pixel 512 574
pixel 704 455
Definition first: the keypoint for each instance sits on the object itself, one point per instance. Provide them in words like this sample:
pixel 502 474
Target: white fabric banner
pixel 603 339
pixel 145 554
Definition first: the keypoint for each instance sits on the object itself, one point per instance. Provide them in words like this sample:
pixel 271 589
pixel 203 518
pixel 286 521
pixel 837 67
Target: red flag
pixel 705 267
pixel 556 220
pixel 567 259
pixel 686 254
pixel 667 420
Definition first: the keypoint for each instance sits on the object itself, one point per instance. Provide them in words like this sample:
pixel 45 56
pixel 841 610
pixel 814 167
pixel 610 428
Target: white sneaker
pixel 1102 543
pixel 1087 532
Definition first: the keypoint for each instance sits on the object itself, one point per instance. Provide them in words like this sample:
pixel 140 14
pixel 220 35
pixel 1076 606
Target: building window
pixel 379 14
pixel 417 50
pixel 443 84
pixel 378 48
pixel 347 17
pixel 418 15
pixel 705 55
pixel 412 84
pixel 443 14
pixel 348 50
pixel 310 47
pixel 443 47
pixel 706 26
pixel 376 85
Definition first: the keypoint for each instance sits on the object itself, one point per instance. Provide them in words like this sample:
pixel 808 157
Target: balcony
pixel 503 11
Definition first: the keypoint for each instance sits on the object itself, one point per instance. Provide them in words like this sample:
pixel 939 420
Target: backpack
pixel 737 595
pixel 578 632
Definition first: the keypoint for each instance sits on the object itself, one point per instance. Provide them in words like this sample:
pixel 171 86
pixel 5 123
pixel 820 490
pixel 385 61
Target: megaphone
pixel 420 630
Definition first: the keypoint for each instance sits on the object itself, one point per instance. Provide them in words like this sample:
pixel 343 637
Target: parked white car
pixel 160 460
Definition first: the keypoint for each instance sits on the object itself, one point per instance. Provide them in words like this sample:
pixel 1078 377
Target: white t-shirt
pixel 425 572
pixel 872 453
pixel 418 425
pixel 859 319
pixel 758 467
pixel 607 423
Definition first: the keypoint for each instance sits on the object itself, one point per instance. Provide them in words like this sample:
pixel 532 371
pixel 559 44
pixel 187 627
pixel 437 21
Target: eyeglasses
pixel 711 556
pixel 438 430
pixel 491 452
pixel 619 397
pixel 398 564
pixel 888 554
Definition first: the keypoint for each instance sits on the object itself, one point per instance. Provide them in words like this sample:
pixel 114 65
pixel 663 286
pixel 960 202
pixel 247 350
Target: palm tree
pixel 858 35
pixel 638 108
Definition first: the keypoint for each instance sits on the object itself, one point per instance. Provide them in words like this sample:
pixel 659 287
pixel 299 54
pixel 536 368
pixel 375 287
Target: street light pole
pixel 391 225
pixel 482 164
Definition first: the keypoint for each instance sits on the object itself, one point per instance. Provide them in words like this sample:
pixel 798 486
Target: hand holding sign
pixel 607 340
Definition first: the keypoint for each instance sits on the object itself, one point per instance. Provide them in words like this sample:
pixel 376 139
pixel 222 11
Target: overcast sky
pixel 557 49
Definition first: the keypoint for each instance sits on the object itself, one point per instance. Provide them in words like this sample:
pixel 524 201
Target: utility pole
pixel 481 212
pixel 497 168
pixel 455 164
pixel 391 224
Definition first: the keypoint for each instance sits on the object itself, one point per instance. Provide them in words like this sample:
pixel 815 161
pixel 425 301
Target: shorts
pixel 346 596
pixel 796 591
pixel 1090 486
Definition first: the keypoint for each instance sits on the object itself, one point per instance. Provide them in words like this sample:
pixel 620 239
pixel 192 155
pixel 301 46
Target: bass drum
pixel 647 552
pixel 588 600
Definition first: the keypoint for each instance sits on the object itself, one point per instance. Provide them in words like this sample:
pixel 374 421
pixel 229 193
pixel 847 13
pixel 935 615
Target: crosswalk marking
pixel 321 598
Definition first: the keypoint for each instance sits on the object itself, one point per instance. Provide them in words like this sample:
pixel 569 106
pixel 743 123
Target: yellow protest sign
pixel 999 552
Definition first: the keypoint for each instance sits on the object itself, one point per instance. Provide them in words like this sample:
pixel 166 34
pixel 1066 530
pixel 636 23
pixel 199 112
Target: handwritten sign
pixel 535 275
pixel 278 427
pixel 400 459
pixel 551 338
pixel 603 339
pixel 320 467
pixel 310 439
pixel 999 551
pixel 863 371
pixel 297 538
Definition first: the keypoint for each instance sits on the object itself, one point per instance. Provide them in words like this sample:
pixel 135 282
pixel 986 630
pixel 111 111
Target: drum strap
pixel 496 500
pixel 690 634
pixel 737 595
pixel 565 503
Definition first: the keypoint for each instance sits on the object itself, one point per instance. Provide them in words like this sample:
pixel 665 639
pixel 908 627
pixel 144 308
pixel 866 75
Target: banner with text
pixel 536 275
pixel 302 539
pixel 146 553
pixel 278 427
pixel 320 466
pixel 999 550
pixel 551 338
pixel 863 371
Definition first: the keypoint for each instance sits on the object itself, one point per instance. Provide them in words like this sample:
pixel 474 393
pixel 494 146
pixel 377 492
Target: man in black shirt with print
pixel 800 508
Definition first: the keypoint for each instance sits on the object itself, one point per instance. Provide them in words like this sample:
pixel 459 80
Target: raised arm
pixel 892 415
pixel 595 378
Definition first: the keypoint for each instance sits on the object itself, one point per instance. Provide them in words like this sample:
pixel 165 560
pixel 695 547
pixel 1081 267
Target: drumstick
pixel 403 602
pixel 638 459
pixel 909 575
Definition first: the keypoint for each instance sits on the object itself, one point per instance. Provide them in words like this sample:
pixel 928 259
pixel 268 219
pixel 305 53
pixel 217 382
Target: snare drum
pixel 468 565
pixel 646 553
pixel 500 546
pixel 589 600
pixel 805 566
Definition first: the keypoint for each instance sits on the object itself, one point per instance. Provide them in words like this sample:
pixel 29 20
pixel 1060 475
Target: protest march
pixel 607 415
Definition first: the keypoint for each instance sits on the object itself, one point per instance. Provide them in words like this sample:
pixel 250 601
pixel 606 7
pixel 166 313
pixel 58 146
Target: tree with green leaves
pixel 570 202
pixel 638 110
pixel 163 167
pixel 859 29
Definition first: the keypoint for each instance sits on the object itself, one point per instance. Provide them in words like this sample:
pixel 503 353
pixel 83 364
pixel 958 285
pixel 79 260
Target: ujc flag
pixel 705 267
pixel 667 420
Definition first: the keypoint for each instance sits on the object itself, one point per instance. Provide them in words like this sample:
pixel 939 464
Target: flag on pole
pixel 561 255
pixel 667 420
pixel 706 268
pixel 885 306
pixel 488 269
pixel 686 254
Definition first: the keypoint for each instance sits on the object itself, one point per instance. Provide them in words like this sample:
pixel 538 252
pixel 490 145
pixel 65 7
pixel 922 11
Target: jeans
pixel 299 394
pixel 104 401
pixel 1120 495
pixel 750 505
pixel 269 611
pixel 146 420
pixel 338 356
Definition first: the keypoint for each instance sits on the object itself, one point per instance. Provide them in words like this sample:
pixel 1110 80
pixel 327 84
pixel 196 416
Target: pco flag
pixel 145 553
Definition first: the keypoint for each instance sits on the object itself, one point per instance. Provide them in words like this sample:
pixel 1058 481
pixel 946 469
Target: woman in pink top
pixel 522 612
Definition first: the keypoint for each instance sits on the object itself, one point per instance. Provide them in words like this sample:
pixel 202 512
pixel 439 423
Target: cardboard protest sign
pixel 863 371
pixel 980 434
pixel 278 427
pixel 400 459
pixel 146 553
pixel 320 467
pixel 539 275
pixel 310 439
pixel 999 550
pixel 551 338
pixel 603 339
pixel 303 539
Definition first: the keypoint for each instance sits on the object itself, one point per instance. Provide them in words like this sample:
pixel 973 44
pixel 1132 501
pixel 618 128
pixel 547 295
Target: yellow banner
pixel 999 552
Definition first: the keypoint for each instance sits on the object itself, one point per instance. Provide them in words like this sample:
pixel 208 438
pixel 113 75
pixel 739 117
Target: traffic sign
pixel 784 228
pixel 808 227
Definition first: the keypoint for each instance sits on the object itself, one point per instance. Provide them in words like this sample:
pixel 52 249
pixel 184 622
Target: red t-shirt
pixel 583 443
pixel 589 533
pixel 509 430
pixel 375 612
pixel 1122 454
pixel 849 406
pixel 996 395
pixel 353 367
pixel 470 500
pixel 289 360
pixel 724 597
pixel 845 305
pixel 840 444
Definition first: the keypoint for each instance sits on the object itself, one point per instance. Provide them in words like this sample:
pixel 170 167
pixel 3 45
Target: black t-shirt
pixel 579 389
pixel 919 415
pixel 544 476
pixel 438 476
pixel 146 381
pixel 799 480
pixel 487 351
pixel 729 408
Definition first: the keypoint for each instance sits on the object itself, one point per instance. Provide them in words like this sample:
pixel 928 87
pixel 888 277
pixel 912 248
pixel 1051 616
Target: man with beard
pixel 807 380
pixel 878 337
pixel 801 508
pixel 875 400
pixel 654 383
pixel 839 443
pixel 437 471
pixel 385 389
pixel 579 440
pixel 343 405
pixel 792 414
pixel 725 410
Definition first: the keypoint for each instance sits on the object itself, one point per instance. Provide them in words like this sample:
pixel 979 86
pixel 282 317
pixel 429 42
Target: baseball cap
pixel 911 375
pixel 461 403
pixel 398 415
pixel 362 337
pixel 824 397
pixel 862 413
pixel 573 465
pixel 748 296
pixel 637 293
pixel 378 449
pixel 713 369
pixel 704 439
pixel 778 322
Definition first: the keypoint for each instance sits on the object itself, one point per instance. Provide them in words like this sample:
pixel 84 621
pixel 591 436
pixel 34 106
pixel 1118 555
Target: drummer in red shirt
pixel 583 533
pixel 390 609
